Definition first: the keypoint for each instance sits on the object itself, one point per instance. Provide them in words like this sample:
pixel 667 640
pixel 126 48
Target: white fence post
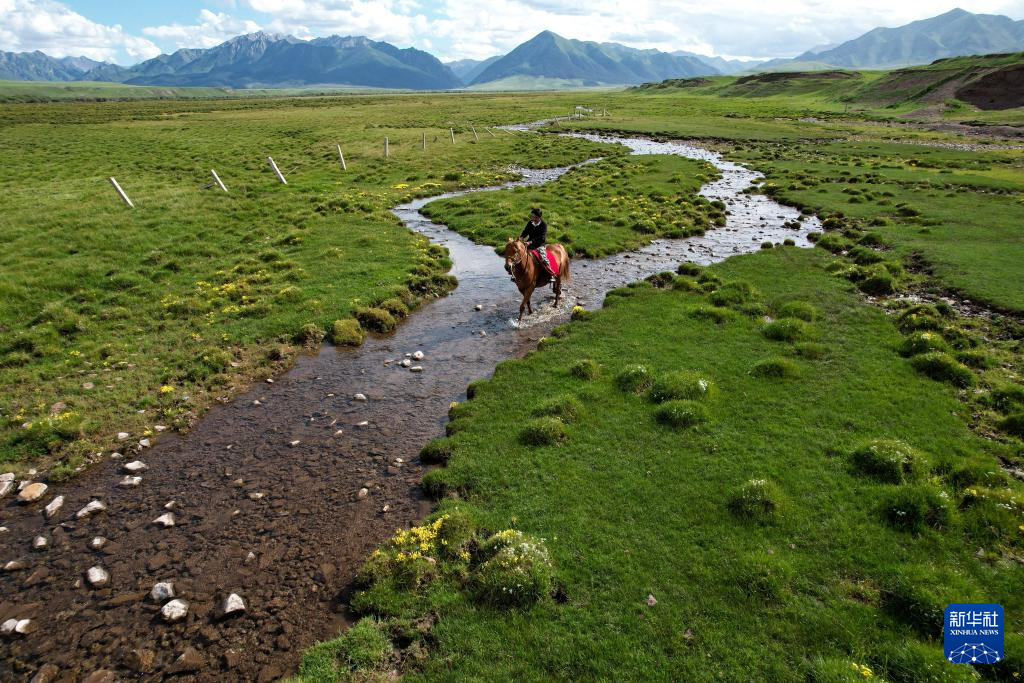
pixel 476 138
pixel 341 158
pixel 490 132
pixel 216 179
pixel 424 139
pixel 121 192
pixel 452 131
pixel 277 171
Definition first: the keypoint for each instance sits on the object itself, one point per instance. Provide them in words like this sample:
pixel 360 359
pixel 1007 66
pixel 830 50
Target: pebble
pixel 250 557
pixel 256 496
pixel 5 487
pixel 12 626
pixel 360 397
pixel 339 432
pixel 91 509
pixel 98 577
pixel 165 520
pixel 405 363
pixel 170 505
pixel 144 443
pixel 364 492
pixel 257 402
pixel 160 428
pixel 130 481
pixel 270 381
pixel 188 661
pixel 15 565
pixel 135 466
pixel 123 436
pixel 483 333
pixel 32 492
pixel 233 604
pixel 40 543
pixel 416 368
pixel 97 543
pixel 175 610
pixel 364 423
pixel 162 592
pixel 418 355
pixel 88 385
pixel 478 307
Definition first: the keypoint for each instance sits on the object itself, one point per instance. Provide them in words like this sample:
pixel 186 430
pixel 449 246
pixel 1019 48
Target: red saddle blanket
pixel 547 261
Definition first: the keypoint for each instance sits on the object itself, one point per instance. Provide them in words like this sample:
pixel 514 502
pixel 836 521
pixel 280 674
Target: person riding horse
pixel 532 263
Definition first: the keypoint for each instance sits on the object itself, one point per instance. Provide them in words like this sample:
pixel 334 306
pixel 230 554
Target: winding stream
pixel 266 491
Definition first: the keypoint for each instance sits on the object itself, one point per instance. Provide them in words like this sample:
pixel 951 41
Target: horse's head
pixel 515 252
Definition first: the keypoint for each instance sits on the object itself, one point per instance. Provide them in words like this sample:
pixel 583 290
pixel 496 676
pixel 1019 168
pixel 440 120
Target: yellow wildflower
pixel 166 389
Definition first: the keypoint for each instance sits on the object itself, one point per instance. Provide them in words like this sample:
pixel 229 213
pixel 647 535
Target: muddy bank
pixel 266 492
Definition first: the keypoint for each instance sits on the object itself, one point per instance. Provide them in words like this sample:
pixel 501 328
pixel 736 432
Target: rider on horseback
pixel 535 234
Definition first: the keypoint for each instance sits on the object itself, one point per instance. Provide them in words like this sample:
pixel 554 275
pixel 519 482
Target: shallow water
pixel 240 487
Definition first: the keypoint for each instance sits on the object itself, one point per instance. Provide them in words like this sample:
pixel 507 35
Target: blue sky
pixel 128 32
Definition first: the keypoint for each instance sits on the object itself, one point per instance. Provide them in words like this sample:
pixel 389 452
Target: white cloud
pixel 59 31
pixel 212 29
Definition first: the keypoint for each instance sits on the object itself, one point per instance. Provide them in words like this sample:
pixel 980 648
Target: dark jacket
pixel 535 235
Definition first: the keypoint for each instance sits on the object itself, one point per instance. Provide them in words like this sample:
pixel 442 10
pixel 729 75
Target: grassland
pixel 115 319
pixel 85 91
pixel 613 205
pixel 770 549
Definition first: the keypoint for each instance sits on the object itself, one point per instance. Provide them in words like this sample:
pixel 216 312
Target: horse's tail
pixel 564 273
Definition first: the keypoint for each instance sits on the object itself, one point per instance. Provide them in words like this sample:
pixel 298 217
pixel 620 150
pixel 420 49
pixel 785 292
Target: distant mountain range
pixel 955 33
pixel 545 61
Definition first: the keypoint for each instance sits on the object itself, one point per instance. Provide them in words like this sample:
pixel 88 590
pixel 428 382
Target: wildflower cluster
pixel 518 572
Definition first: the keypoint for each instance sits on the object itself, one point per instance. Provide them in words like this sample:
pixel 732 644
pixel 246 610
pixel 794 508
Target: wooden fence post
pixel 452 131
pixel 216 179
pixel 476 138
pixel 490 132
pixel 121 192
pixel 277 171
pixel 341 158
pixel 387 152
pixel 424 143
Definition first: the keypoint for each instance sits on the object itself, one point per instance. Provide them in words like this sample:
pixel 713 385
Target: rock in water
pixel 233 606
pixel 129 481
pixel 162 592
pixel 91 509
pixel 5 486
pixel 165 520
pixel 405 363
pixel 175 610
pixel 32 492
pixel 135 466
pixel 40 543
pixel 97 543
pixel 416 368
pixel 98 577
pixel 360 397
pixel 188 661
pixel 417 355
pixel 54 507
pixel 13 626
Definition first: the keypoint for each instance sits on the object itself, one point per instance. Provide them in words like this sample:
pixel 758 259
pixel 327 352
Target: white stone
pixel 364 492
pixel 364 423
pixel 97 543
pixel 7 476
pixel 165 520
pixel 257 402
pixel 339 432
pixel 175 610
pixel 416 368
pixel 32 492
pixel 405 363
pixel 123 436
pixel 15 565
pixel 160 428
pixel 233 604
pixel 135 466
pixel 129 481
pixel 417 355
pixel 5 487
pixel 53 507
pixel 162 592
pixel 144 443
pixel 250 557
pixel 295 443
pixel 116 456
pixel 478 307
pixel 270 381
pixel 98 577
pixel 170 505
pixel 360 397
pixel 12 626
pixel 40 543
pixel 91 509
pixel 256 496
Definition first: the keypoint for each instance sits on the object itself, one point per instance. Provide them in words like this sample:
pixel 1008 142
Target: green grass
pixel 599 209
pixel 766 552
pixel 160 309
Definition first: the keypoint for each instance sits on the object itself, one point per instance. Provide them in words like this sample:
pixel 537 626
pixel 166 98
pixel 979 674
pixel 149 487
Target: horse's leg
pixel 529 304
pixel 522 307
pixel 558 290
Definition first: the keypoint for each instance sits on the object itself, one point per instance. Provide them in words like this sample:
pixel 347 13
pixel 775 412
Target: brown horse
pixel 530 275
